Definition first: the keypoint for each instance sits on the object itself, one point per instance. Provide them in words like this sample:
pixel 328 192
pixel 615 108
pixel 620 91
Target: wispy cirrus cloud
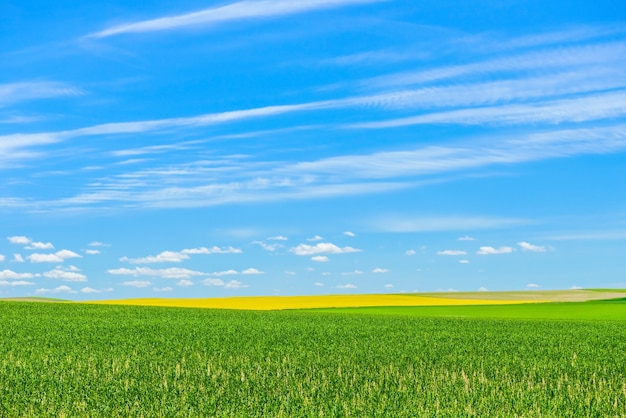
pixel 242 10
pixel 13 93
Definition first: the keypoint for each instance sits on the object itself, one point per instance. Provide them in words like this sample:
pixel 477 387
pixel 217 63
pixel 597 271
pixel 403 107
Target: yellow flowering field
pixel 305 302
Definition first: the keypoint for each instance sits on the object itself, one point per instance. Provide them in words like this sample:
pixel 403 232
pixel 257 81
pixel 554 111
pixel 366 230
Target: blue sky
pixel 214 148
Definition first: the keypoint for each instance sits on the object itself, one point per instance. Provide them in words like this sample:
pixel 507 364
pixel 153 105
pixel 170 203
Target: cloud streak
pixel 242 10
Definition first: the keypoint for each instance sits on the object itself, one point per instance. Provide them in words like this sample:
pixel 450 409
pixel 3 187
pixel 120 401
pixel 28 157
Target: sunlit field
pixel 345 301
pixel 529 359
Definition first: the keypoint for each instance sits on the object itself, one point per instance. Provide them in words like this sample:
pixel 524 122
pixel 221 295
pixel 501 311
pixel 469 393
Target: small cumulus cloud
pixel 252 271
pixel 20 240
pixel 6 283
pixel 526 246
pixel 67 275
pixel 352 273
pixel 315 238
pixel 322 248
pixel 451 252
pixel 532 286
pixel 98 244
pixel 388 286
pixel 492 250
pixel 379 270
pixel 169 273
pixel 320 258
pixel 2 257
pixel 59 289
pixel 137 283
pixel 212 250
pixel 11 275
pixel 163 257
pixel 184 282
pixel 162 289
pixel 278 238
pixel 44 258
pixel 225 273
pixel 575 287
pixel 235 284
pixel 466 238
pixel 213 282
pixel 17 258
pixel 410 252
pixel 464 261
pixel 290 273
pixel 266 246
pixel 92 252
pixel 482 289
pixel 92 290
pixel 39 246
pixel 349 234
pixel 346 286
pixel 318 284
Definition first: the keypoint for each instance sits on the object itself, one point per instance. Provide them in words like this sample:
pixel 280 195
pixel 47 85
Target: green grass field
pixel 63 359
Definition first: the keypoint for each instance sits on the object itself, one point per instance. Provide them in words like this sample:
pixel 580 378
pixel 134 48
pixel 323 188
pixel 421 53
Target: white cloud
pixel 44 258
pixel 98 244
pixel 169 273
pixel 278 238
pixel 235 284
pixel 318 284
pixel 213 282
pixel 346 286
pixel 67 254
pixel 266 246
pixel 5 283
pixel 92 252
pixel 322 248
pixel 59 289
pixel 326 273
pixel 224 273
pixel 530 247
pixel 492 250
pixel 68 276
pixel 11 275
pixel 349 234
pixel 92 290
pixel 252 271
pixel 388 286
pixel 39 246
pixel 21 240
pixel 464 261
pixel 315 238
pixel 242 10
pixel 137 283
pixel 2 257
pixel 290 273
pixel 184 282
pixel 452 252
pixel 410 252
pixel 575 287
pixel 466 238
pixel 163 257
pixel 352 273
pixel 482 289
pixel 17 258
pixel 379 270
pixel 162 289
pixel 212 250
pixel 532 286
pixel 320 258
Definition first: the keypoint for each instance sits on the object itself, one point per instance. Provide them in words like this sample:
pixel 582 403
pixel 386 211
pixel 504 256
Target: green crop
pixel 85 360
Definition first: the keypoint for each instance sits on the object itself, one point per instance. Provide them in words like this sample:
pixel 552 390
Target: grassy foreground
pixel 91 360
